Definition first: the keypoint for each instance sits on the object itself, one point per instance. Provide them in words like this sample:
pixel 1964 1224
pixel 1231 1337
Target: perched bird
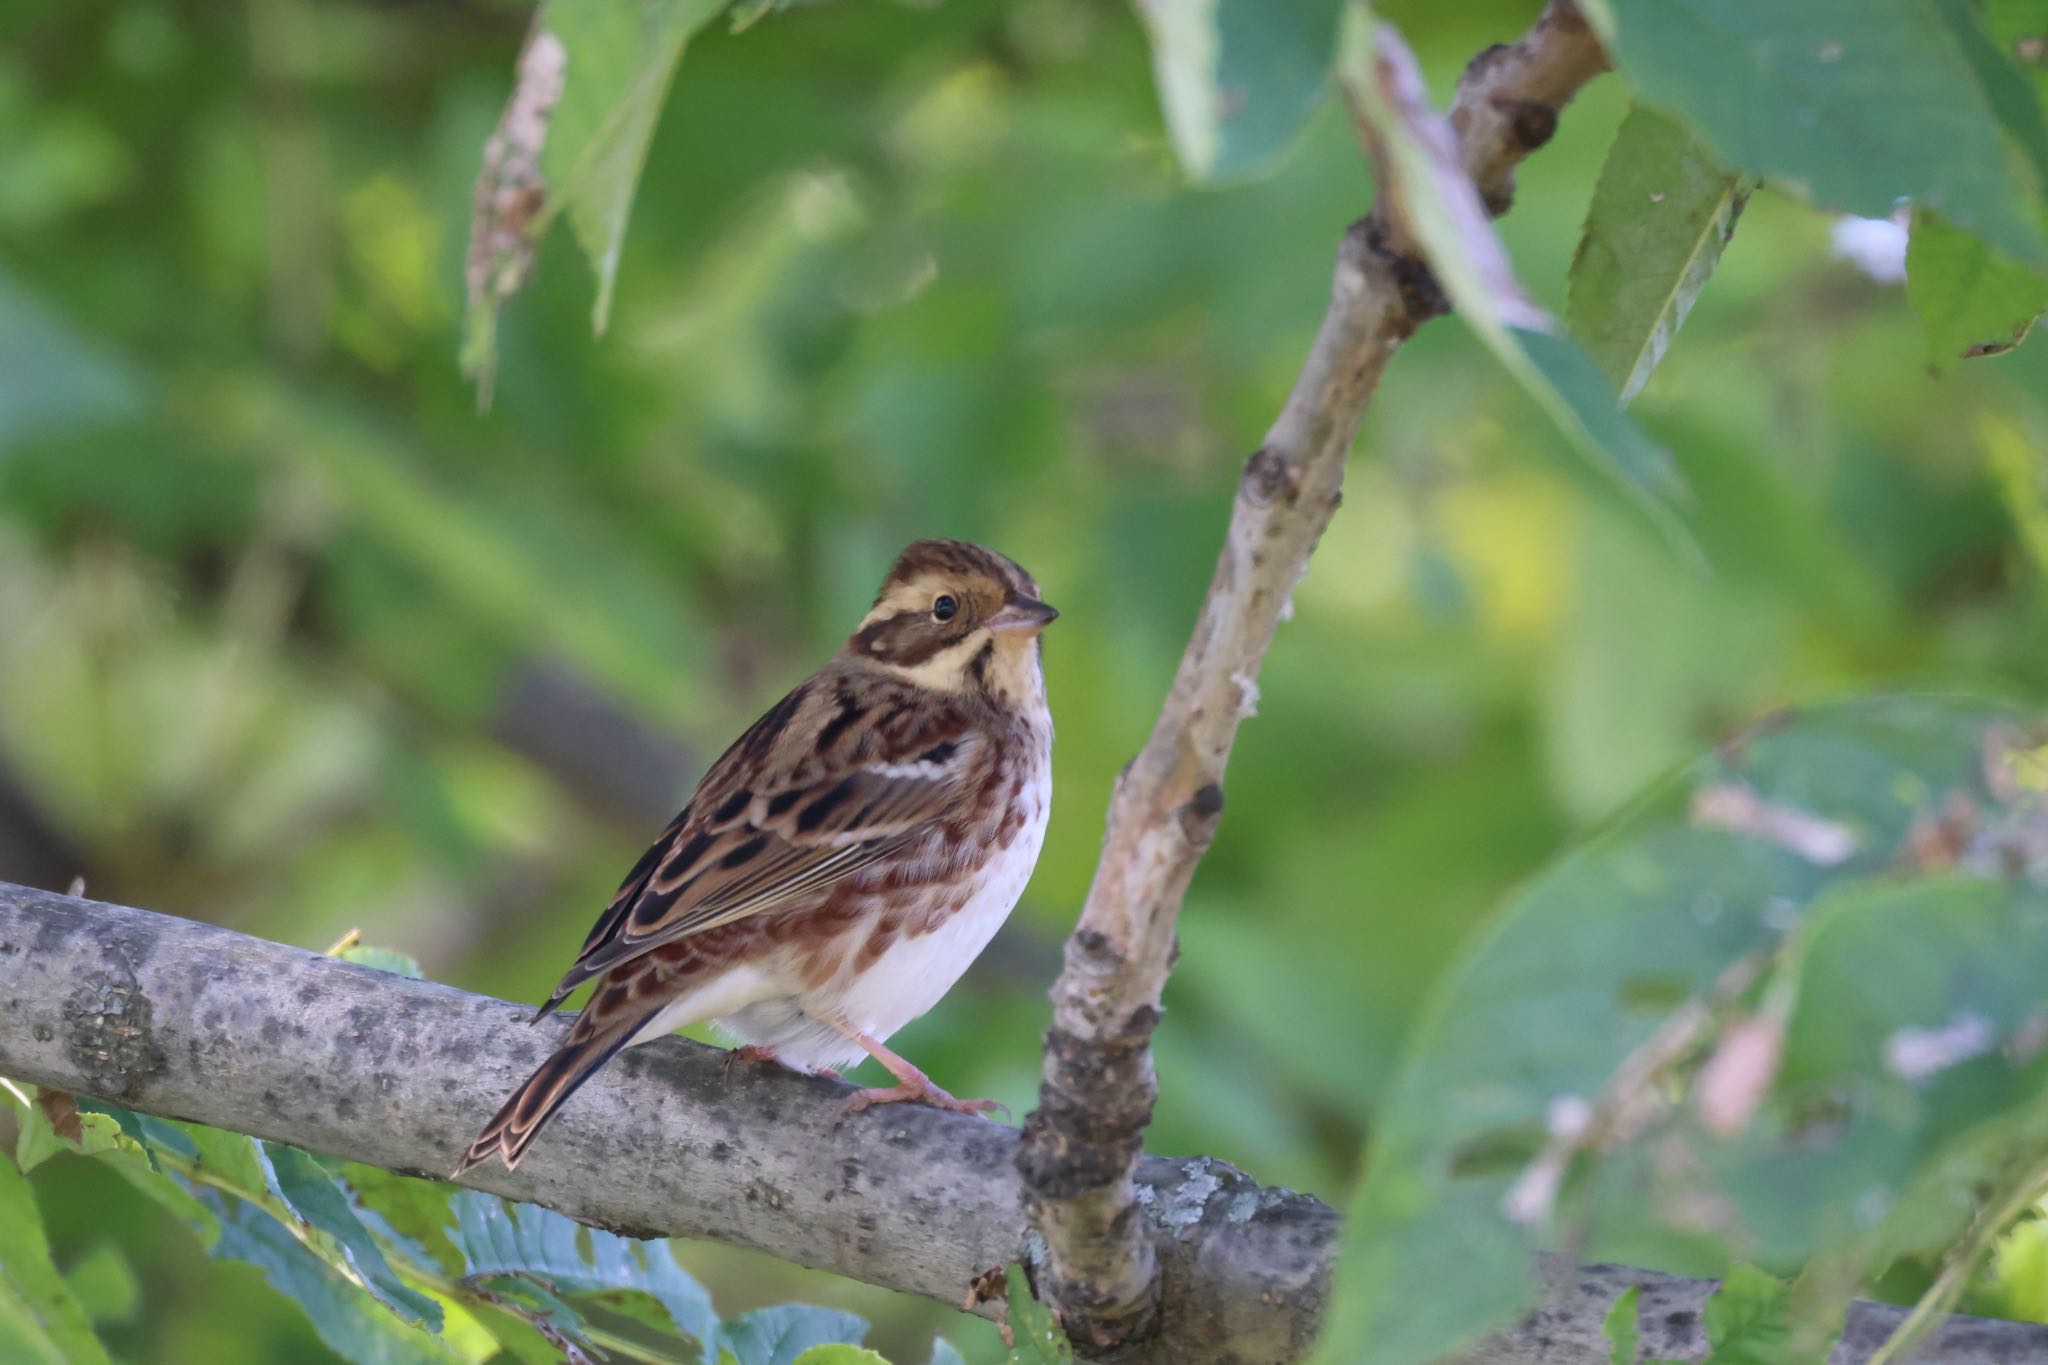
pixel 844 861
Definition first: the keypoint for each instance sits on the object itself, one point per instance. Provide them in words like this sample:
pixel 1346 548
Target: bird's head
pixel 954 616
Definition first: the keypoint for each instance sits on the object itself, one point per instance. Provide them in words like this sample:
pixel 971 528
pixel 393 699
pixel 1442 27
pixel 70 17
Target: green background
pixel 293 640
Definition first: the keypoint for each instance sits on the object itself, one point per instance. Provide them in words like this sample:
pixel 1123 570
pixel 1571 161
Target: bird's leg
pixel 913 1085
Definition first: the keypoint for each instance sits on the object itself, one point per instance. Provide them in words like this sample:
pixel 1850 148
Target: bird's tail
pixel 519 1120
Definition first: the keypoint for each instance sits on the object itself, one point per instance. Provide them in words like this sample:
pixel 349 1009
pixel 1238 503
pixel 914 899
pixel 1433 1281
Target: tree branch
pixel 191 1021
pixel 1081 1146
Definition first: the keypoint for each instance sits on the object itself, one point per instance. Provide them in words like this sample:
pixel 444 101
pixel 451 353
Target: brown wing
pixel 830 781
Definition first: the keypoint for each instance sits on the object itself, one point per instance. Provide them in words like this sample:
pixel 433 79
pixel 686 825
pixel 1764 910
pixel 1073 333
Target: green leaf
pixel 410 1212
pixel 355 1326
pixel 40 1318
pixel 1039 1340
pixel 50 377
pixel 383 959
pixel 1550 1014
pixel 316 1199
pixel 105 1284
pixel 2009 93
pixel 1441 205
pixel 538 1245
pixel 1661 214
pixel 1749 1321
pixel 1623 1340
pixel 1857 103
pixel 1238 79
pixel 1972 300
pixel 621 57
pixel 839 1353
pixel 787 1332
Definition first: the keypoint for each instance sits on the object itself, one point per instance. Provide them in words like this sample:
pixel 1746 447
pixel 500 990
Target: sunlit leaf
pixel 1037 1338
pixel 1662 212
pixel 1972 299
pixel 40 1318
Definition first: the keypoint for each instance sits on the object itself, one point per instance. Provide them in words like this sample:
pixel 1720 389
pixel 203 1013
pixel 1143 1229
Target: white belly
pixel 911 975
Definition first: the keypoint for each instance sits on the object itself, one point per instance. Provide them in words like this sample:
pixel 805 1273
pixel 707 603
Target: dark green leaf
pixel 1238 78
pixel 1585 968
pixel 779 1335
pixel 527 1242
pixel 1859 103
pixel 1663 210
pixel 355 1326
pixel 315 1197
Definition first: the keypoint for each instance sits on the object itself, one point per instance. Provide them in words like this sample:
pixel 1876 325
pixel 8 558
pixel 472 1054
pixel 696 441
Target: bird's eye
pixel 943 609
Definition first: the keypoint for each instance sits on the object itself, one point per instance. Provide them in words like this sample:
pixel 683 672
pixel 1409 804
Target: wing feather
pixel 761 835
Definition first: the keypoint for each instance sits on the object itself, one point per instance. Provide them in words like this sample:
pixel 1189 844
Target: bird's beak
pixel 1022 616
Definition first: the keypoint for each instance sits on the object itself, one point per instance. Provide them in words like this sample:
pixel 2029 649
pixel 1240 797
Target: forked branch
pixel 1081 1146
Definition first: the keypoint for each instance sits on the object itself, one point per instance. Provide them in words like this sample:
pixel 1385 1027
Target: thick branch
pixel 1081 1146
pixel 191 1021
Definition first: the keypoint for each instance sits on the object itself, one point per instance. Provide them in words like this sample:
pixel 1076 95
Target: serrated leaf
pixel 40 1318
pixel 782 1334
pixel 528 1242
pixel 1857 103
pixel 1663 210
pixel 1238 79
pixel 409 1212
pixel 1749 1321
pixel 314 1197
pixel 1443 210
pixel 1972 300
pixel 354 1325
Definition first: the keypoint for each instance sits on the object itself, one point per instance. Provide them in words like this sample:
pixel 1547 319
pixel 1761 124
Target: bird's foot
pixel 920 1091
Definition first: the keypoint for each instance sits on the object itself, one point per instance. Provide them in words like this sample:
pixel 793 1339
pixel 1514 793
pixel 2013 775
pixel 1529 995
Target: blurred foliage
pixel 292 639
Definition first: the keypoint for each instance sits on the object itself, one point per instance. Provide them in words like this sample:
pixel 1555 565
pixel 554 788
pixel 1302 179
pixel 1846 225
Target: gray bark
pixel 192 1021
pixel 1082 1146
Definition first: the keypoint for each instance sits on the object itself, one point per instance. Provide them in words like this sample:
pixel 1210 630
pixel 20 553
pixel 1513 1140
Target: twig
pixel 1098 1267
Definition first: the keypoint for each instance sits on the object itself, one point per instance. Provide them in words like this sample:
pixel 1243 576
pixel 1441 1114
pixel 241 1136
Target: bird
pixel 840 866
